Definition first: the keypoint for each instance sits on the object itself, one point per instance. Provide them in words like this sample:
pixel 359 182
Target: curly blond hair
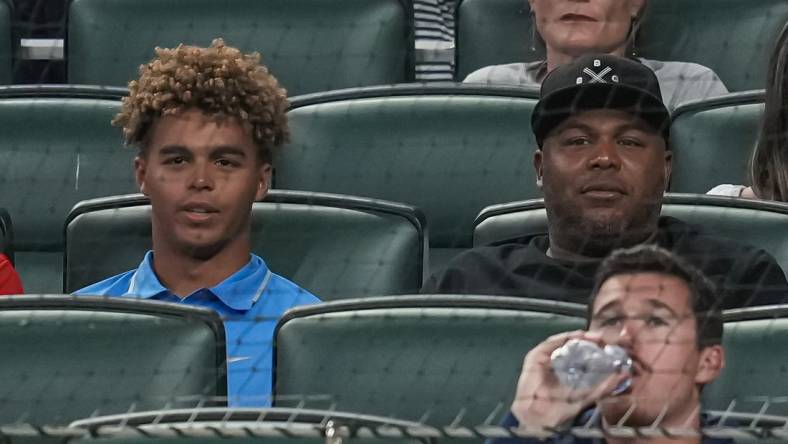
pixel 219 80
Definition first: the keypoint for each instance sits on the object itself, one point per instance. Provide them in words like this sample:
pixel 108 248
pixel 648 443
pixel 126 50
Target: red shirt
pixel 9 279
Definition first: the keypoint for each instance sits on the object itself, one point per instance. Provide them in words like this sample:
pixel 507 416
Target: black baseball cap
pixel 599 81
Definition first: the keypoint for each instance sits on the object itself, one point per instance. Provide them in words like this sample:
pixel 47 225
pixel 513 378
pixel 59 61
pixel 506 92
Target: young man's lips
pixel 199 212
pixel 199 215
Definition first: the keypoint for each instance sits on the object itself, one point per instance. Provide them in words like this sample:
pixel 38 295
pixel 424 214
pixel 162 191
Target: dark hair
pixel 647 258
pixel 769 163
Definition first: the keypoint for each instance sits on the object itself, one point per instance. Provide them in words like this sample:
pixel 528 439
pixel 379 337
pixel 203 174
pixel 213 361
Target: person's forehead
pixel 193 127
pixel 604 118
pixel 642 290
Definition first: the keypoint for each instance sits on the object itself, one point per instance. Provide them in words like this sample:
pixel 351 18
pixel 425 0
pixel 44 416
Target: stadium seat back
pixel 762 224
pixel 334 246
pixel 733 37
pixel 218 424
pixel 450 151
pixel 493 32
pixel 58 148
pixel 79 357
pixel 712 141
pixel 309 45
pixel 430 358
pixel 754 375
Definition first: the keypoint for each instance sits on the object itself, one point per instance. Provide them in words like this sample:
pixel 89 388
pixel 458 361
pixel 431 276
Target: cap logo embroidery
pixel 598 77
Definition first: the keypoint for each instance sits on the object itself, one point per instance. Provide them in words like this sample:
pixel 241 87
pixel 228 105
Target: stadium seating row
pixel 435 359
pixel 335 246
pixel 453 151
pixel 318 45
pixel 348 247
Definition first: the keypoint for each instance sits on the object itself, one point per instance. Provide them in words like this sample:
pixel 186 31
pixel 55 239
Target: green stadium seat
pixel 6 235
pixel 222 425
pixel 754 378
pixel 712 141
pixel 493 32
pixel 58 148
pixel 302 426
pixel 733 37
pixel 449 150
pixel 334 246
pixel 309 45
pixel 72 358
pixel 436 359
pixel 760 223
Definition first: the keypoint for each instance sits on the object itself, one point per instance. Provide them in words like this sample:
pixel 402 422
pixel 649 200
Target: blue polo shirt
pixel 250 302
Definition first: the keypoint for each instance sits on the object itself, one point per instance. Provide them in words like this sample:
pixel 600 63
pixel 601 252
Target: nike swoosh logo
pixel 231 359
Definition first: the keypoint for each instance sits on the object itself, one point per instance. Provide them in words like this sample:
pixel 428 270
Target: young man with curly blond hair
pixel 205 121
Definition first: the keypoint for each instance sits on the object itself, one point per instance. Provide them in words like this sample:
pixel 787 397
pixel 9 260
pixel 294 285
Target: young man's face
pixel 604 172
pixel 202 177
pixel 650 315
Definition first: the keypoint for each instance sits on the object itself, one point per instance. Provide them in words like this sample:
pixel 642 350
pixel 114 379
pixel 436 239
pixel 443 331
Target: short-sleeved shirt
pixel 250 302
pixel 9 279
pixel 745 276
pixel 679 81
pixel 727 189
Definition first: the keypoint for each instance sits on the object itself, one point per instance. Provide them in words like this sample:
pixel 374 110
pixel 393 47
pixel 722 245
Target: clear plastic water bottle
pixel 581 364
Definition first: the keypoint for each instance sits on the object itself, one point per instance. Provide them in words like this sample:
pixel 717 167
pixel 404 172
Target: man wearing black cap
pixel 603 164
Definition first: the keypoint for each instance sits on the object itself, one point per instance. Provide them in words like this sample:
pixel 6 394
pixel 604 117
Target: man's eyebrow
pixel 637 125
pixel 223 150
pixel 570 124
pixel 173 149
pixel 656 303
pixel 607 307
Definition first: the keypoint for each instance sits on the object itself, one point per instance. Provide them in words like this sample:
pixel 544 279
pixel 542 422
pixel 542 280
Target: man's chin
pixel 200 247
pixel 604 221
pixel 625 408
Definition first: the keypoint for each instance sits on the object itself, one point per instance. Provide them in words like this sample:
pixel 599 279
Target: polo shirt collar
pixel 239 291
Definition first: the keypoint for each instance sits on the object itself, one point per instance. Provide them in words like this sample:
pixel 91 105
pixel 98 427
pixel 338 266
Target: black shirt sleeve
pixel 756 279
pixel 450 280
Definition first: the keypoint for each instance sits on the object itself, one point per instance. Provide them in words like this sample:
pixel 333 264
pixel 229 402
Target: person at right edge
pixel 769 160
pixel 603 163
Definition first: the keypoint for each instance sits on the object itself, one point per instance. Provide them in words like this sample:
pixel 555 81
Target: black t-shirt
pixel 746 276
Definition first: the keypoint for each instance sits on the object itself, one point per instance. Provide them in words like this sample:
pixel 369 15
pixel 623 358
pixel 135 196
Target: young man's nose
pixel 627 334
pixel 201 176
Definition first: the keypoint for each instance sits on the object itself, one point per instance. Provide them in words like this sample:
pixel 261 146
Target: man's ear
pixel 710 364
pixel 140 166
pixel 538 161
pixel 264 182
pixel 668 167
